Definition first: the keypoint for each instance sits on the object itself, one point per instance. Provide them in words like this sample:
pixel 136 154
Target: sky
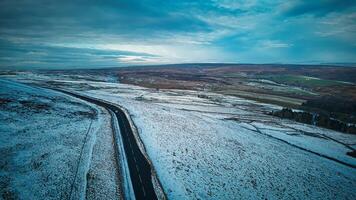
pixel 53 34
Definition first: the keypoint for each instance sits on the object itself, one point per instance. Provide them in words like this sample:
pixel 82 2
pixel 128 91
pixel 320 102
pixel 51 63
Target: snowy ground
pixel 47 141
pixel 103 178
pixel 223 147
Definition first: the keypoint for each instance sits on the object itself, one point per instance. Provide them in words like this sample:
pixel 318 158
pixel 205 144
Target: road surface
pixel 140 169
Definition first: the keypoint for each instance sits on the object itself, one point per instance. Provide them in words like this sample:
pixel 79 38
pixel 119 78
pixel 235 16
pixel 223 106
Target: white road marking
pixel 144 193
pixel 140 178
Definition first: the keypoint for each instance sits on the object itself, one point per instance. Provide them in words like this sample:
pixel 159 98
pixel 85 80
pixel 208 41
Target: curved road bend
pixel 140 170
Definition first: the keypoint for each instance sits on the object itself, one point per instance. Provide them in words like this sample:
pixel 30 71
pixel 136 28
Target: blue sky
pixel 107 33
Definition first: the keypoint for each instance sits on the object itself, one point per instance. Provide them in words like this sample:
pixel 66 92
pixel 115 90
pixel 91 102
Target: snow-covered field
pixel 46 145
pixel 210 146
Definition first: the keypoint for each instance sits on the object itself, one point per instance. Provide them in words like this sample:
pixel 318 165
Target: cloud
pixel 44 56
pixel 129 59
pixel 317 7
pixel 72 19
pixel 274 44
pixel 67 33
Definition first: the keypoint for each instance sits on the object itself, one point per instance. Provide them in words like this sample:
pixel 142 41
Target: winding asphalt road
pixel 140 169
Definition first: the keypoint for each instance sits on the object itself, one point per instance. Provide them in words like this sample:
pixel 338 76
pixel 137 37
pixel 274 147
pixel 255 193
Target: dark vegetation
pixel 35 106
pixel 24 105
pixel 4 101
pixel 333 104
pixel 352 153
pixel 321 120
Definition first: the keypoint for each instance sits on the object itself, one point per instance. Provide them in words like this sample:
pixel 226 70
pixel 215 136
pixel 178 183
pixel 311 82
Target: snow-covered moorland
pixel 48 145
pixel 226 148
pixel 210 146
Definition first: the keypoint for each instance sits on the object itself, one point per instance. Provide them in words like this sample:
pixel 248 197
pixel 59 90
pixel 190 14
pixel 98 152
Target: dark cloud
pixel 318 7
pixel 44 18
